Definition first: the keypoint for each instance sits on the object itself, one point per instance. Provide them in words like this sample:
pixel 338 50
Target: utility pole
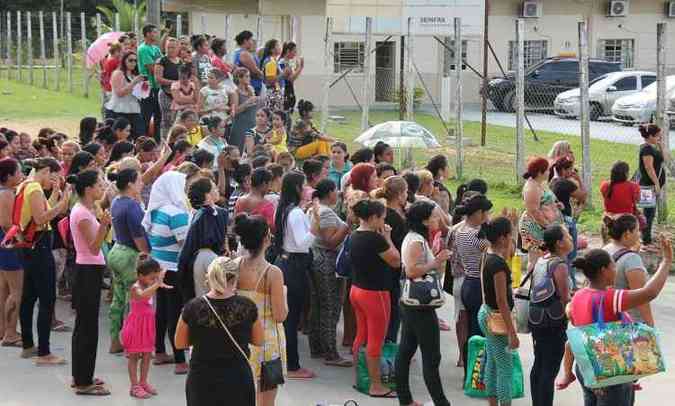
pixel 153 12
pixel 483 102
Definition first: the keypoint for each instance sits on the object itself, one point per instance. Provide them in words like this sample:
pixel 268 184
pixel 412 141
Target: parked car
pixel 603 92
pixel 641 107
pixel 544 82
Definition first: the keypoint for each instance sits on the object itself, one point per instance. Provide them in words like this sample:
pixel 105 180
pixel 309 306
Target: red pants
pixel 372 308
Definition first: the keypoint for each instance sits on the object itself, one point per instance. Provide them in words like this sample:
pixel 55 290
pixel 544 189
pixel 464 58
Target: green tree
pixel 127 13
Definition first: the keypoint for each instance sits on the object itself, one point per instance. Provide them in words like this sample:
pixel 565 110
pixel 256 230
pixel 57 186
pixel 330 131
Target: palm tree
pixel 127 12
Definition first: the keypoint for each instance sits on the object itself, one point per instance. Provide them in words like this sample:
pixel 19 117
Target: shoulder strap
pixel 222 324
pixel 620 253
pixel 483 259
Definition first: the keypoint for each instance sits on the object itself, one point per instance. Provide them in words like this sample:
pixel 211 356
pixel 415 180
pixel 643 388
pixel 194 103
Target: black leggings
pixel 472 299
pixel 295 268
pixel 86 302
pixel 39 284
pixel 549 348
pixel 169 307
pixel 650 215
pixel 419 328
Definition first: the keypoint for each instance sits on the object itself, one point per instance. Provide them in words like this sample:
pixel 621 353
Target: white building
pixel 619 30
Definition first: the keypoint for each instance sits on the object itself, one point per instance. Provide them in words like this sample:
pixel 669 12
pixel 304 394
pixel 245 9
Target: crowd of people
pixel 222 223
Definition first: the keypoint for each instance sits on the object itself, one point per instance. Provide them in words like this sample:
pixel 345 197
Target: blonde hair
pixel 560 148
pixel 221 273
pixel 129 162
pixel 176 131
pixel 189 169
pixel 393 186
pixel 425 176
pixel 73 144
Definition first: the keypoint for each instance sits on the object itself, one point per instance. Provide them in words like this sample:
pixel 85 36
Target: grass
pixel 494 162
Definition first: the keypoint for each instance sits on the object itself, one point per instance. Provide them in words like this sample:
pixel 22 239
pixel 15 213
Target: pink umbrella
pixel 99 48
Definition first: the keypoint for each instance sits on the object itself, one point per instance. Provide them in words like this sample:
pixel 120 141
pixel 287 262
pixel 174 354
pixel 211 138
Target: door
pixel 385 72
pixel 624 87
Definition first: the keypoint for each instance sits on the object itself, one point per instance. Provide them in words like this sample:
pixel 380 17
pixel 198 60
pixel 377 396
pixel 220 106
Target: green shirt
pixel 148 55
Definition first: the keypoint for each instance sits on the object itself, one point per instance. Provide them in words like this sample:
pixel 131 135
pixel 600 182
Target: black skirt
pixel 230 384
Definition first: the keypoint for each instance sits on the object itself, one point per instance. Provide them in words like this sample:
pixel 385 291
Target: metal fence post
pixel 29 41
pixel 98 25
pixel 19 46
pixel 43 51
pixel 520 100
pixel 9 45
pixel 459 131
pixel 662 119
pixel 57 59
pixel 179 25
pixel 367 68
pixel 202 21
pixel 83 39
pixel 69 52
pixel 410 86
pixel 328 69
pixel 259 30
pixel 226 29
pixel 585 107
pixel 117 21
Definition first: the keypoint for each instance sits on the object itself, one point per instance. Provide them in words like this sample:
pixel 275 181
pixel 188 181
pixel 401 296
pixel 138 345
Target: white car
pixel 603 92
pixel 641 107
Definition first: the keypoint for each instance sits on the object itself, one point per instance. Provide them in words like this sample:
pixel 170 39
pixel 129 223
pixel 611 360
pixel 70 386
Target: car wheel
pixel 596 111
pixel 509 102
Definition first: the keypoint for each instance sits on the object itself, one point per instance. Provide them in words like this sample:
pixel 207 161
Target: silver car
pixel 641 107
pixel 603 93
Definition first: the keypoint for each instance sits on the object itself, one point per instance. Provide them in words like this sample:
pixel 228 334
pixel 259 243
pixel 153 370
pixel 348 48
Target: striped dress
pixel 169 229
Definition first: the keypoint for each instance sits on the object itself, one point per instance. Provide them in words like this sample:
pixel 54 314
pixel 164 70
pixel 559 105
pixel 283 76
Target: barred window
pixel 534 51
pixel 349 55
pixel 618 50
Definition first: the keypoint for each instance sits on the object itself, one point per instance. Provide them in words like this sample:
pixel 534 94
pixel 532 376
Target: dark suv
pixel 543 82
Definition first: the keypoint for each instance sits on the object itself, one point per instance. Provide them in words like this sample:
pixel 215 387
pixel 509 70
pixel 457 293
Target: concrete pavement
pixel 22 384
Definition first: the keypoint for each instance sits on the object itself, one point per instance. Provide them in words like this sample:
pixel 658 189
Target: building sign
pixel 436 17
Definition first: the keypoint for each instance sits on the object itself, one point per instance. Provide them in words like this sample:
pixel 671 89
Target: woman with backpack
pixel 39 278
pixel 550 293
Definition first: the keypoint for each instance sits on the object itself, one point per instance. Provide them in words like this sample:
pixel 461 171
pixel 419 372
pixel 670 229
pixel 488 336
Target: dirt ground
pixel 67 126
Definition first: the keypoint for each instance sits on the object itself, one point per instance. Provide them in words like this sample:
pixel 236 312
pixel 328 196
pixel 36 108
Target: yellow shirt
pixel 271 69
pixel 195 136
pixel 278 141
pixel 29 188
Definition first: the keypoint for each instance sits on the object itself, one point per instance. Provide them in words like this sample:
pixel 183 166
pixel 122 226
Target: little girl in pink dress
pixel 138 332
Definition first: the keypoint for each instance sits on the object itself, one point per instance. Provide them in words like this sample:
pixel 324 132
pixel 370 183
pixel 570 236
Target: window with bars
pixel 534 51
pixel 618 50
pixel 349 55
pixel 449 54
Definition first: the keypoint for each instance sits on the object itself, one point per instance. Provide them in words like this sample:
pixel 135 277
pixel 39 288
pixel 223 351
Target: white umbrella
pixel 399 134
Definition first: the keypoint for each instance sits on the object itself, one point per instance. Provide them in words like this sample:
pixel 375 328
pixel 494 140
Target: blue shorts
pixel 9 259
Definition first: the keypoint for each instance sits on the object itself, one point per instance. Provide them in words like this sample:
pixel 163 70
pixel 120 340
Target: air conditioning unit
pixel 618 8
pixel 670 9
pixel 531 9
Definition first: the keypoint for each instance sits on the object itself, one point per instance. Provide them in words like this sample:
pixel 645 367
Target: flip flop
pixel 93 390
pixel 340 362
pixel 97 382
pixel 389 395
pixel 15 343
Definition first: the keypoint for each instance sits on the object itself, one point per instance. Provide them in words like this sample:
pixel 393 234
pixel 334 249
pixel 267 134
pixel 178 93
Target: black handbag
pixel 272 371
pixel 425 291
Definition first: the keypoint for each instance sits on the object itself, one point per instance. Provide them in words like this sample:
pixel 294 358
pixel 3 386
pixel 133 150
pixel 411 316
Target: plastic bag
pixel 387 368
pixel 474 385
pixel 615 353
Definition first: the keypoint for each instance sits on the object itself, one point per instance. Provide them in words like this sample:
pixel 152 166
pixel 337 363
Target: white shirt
pixel 297 237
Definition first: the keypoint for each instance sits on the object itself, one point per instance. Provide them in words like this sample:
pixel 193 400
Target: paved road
pixel 23 384
pixel 603 130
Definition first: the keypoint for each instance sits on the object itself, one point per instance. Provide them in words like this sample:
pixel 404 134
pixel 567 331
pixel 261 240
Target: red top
pixel 109 67
pixel 624 196
pixel 582 305
pixel 218 63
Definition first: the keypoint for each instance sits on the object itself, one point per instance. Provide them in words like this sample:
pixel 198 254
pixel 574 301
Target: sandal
pixel 49 360
pixel 149 388
pixel 97 382
pixel 138 392
pixel 163 359
pixel 14 343
pixel 93 390
pixel 301 373
pixel 339 362
pixel 389 395
pixel 61 327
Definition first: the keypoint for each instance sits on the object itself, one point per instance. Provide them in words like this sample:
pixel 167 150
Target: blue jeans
pixel 616 395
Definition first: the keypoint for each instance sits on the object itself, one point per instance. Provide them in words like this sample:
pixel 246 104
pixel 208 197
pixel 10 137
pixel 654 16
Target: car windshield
pixel 651 89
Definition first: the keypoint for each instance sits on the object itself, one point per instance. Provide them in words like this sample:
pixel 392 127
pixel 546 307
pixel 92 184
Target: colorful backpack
pixel 17 237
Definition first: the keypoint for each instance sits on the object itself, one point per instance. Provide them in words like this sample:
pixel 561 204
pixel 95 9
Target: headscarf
pixel 169 189
pixel 208 230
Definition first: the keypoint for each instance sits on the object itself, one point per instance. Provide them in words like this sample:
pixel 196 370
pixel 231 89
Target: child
pixel 215 101
pixel 277 137
pixel 138 333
